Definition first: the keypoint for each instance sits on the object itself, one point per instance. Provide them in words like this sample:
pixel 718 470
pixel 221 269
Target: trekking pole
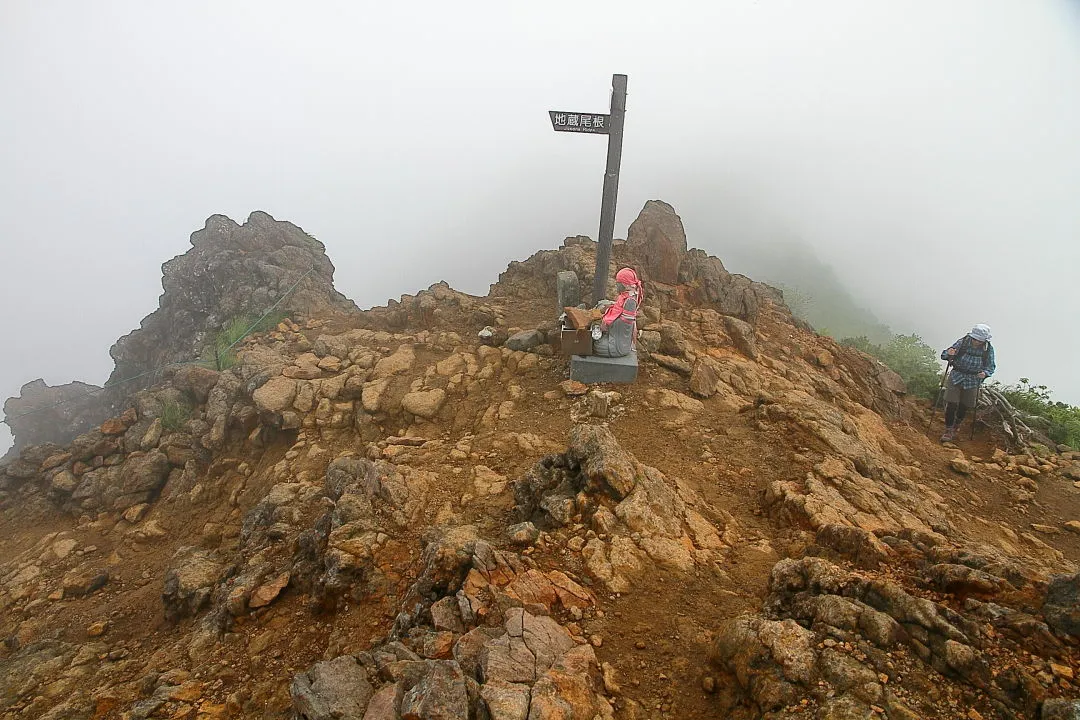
pixel 975 410
pixel 937 398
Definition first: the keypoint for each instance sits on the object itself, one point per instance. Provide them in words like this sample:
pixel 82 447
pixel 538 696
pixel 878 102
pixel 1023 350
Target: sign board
pixel 612 126
pixel 594 123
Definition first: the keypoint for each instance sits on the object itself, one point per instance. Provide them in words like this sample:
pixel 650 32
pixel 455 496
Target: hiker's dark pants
pixel 957 402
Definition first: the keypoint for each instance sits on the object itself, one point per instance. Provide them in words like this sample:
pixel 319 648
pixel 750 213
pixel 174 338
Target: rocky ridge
pixel 232 272
pixel 52 415
pixel 383 514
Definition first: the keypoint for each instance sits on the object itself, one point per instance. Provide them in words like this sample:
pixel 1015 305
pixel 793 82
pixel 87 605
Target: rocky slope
pixel 231 272
pixel 378 515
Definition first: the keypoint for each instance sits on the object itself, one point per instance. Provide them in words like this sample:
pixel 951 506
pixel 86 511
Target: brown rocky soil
pixel 375 515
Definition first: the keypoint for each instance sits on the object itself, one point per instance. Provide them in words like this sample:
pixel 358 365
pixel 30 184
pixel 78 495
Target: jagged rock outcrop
pixel 658 236
pixel 656 245
pixel 638 515
pixel 43 414
pixel 231 271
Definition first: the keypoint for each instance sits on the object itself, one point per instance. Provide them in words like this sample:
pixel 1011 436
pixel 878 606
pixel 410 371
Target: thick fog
pixel 929 151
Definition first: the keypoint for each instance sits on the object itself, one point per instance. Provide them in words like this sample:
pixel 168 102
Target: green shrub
pixel 1061 421
pixel 174 414
pixel 222 353
pixel 862 343
pixel 909 357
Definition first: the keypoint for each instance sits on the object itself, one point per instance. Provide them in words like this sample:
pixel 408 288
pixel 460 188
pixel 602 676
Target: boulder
pixel 523 534
pixel 424 403
pixel 525 340
pixel 91 444
pixel 113 426
pixel 85 580
pixel 373 394
pixel 658 238
pixel 649 341
pixel 671 400
pixel 447 558
pixel 602 459
pixel 446 615
pixel 276 394
pixel 268 591
pixel 152 436
pixel 55 460
pixel 530 646
pixel 487 481
pixel 1062 605
pixel 386 703
pixel 63 482
pixel 672 339
pixel 573 388
pixel 398 363
pixel 672 363
pixel 440 694
pixel 704 379
pixel 141 478
pixel 196 380
pixel 961 466
pixel 189 582
pixel 506 701
pixel 1060 709
pixel 742 335
pixel 337 689
pixel 856 544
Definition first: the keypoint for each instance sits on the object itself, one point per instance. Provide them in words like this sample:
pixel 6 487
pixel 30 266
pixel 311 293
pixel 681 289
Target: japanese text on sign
pixel 580 122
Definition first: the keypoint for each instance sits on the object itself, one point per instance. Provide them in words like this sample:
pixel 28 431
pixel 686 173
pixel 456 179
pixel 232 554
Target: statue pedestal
pixel 592 369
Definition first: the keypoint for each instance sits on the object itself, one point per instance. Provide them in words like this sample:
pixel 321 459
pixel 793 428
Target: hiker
pixel 972 361
pixel 616 333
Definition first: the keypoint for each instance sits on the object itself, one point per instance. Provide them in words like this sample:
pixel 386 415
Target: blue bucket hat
pixel 980 332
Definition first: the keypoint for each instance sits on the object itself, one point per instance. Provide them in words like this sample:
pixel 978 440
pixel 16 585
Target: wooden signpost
pixel 612 126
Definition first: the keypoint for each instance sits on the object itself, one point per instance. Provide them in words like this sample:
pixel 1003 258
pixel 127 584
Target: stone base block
pixel 592 369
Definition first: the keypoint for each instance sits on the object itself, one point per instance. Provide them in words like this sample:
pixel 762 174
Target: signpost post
pixel 612 126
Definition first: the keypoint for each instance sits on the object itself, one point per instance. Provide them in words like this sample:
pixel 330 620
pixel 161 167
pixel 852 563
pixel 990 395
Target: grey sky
pixel 928 150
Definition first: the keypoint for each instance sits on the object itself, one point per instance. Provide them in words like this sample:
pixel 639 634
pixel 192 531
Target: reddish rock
pixel 113 426
pixel 573 388
pixel 438 645
pixel 55 461
pixel 268 592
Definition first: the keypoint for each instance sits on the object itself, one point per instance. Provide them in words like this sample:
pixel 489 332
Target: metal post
pixel 611 186
pixel 937 398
